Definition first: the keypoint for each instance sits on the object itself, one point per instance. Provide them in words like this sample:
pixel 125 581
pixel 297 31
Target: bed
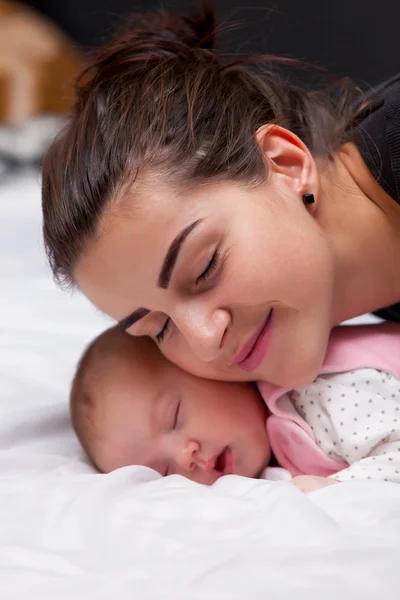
pixel 68 532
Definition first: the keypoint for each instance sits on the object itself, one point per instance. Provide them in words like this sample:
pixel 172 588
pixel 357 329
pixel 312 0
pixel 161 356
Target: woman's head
pixel 175 194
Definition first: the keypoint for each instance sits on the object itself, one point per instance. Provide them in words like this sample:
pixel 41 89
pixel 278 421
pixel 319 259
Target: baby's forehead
pixel 136 373
pixel 134 409
pixel 134 379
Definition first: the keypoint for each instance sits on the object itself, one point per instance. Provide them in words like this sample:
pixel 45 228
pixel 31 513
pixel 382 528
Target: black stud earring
pixel 308 198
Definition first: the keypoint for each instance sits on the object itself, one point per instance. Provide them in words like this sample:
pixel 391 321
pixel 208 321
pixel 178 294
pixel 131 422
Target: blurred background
pixel 43 43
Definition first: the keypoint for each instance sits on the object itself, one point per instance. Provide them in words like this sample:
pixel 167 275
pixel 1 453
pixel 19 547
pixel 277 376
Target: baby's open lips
pixel 222 463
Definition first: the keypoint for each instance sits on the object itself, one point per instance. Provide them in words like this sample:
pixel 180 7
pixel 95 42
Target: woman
pixel 230 216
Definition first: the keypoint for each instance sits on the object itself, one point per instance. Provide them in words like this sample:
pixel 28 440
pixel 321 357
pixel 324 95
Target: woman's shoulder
pixel 353 347
pixel 377 137
pixel 376 133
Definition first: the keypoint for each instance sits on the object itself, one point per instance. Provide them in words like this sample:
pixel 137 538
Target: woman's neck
pixel 363 224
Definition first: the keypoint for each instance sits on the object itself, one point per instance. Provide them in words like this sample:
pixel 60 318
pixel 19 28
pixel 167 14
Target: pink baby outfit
pixel 350 348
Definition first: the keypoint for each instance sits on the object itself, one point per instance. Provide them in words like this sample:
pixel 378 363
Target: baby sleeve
pixel 382 463
pixel 356 416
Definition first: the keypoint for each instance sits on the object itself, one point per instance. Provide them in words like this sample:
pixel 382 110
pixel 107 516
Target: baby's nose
pixel 187 456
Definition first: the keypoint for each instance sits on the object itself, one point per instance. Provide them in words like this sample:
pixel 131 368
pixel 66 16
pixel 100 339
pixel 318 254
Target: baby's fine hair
pixel 89 385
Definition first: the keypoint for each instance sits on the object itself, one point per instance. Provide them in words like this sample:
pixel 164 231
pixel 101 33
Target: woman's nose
pixel 204 332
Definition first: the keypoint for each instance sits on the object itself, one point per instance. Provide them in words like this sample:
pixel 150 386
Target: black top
pixel 377 137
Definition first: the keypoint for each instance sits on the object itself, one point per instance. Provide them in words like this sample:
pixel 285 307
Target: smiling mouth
pixel 254 350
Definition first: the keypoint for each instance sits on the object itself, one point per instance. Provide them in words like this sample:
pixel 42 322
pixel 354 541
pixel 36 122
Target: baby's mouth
pixel 223 462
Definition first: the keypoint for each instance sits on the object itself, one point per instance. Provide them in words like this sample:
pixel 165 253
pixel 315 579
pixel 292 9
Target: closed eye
pixel 212 265
pixel 160 336
pixel 176 415
pixel 174 426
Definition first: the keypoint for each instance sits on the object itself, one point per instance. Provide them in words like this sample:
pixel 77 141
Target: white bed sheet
pixel 68 532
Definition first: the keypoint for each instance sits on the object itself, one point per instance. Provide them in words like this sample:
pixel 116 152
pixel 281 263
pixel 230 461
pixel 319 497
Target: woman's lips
pixel 254 350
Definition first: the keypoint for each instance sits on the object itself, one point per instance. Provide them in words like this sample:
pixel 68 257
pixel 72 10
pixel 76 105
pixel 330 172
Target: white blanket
pixel 68 532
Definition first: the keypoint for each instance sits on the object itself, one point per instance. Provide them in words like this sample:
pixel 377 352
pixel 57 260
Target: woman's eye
pixel 160 336
pixel 212 265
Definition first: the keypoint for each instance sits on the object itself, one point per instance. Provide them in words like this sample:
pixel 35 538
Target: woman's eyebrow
pixel 172 255
pixel 165 274
pixel 135 316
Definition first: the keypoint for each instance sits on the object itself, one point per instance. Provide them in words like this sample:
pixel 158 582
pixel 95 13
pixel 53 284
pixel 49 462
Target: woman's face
pixel 234 283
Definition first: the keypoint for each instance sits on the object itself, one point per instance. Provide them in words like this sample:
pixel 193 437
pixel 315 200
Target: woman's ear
pixel 289 157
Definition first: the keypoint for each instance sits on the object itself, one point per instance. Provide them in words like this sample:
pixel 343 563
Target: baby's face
pixel 156 415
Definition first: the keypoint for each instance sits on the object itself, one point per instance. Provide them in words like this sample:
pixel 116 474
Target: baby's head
pixel 131 406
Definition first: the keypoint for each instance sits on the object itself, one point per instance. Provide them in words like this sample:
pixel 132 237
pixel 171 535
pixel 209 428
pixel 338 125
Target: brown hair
pixel 157 98
pixel 85 388
pixel 94 388
pixel 92 382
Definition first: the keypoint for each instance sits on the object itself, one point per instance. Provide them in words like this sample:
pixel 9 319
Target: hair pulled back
pixel 157 98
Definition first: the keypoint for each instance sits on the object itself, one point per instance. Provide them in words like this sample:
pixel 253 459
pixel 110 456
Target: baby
pixel 130 405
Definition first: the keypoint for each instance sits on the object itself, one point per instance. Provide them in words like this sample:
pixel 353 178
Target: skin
pixel 315 265
pixel 311 483
pixel 149 412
